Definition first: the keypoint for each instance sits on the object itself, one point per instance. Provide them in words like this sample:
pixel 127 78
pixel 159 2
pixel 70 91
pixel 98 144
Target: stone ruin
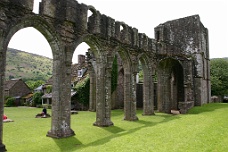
pixel 178 57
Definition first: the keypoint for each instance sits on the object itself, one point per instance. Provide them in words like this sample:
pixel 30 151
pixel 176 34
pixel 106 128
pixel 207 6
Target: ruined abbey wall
pixel 177 58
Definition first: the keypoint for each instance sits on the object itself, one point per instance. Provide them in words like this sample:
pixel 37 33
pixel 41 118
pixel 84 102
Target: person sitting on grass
pixel 44 112
pixel 5 119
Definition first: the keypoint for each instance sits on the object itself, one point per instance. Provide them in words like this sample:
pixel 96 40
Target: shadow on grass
pixel 207 108
pixel 68 144
pixel 118 112
pixel 114 129
pixel 118 132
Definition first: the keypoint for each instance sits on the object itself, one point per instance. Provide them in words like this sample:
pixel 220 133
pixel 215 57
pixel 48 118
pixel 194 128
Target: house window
pixel 80 73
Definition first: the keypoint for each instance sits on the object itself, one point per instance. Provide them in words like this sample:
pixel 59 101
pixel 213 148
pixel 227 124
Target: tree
pixel 37 98
pixel 34 84
pixel 219 76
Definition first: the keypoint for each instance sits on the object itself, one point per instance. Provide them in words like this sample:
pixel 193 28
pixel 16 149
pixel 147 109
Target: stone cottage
pixel 18 89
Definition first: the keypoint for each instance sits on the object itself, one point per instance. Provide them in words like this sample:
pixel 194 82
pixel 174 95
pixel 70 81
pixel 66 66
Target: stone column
pixel 130 96
pixel 61 99
pixel 92 97
pixel 148 94
pixel 2 79
pixel 164 92
pixel 103 94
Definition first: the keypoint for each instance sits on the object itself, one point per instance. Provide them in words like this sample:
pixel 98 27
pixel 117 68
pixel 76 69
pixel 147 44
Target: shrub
pixel 10 102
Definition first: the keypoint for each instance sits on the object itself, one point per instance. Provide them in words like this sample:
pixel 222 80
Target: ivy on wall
pixel 83 86
pixel 83 90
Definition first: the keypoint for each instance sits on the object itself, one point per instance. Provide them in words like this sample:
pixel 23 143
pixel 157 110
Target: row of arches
pixel 144 60
pixel 170 76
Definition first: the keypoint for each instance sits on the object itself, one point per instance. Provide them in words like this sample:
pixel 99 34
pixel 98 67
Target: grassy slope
pixel 203 129
pixel 27 66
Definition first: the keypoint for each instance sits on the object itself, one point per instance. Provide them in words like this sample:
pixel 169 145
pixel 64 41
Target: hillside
pixel 20 64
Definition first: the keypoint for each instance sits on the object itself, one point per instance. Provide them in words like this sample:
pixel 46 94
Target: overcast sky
pixel 144 15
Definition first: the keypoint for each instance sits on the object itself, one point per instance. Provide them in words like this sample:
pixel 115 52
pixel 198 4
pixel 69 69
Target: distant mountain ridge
pixel 28 66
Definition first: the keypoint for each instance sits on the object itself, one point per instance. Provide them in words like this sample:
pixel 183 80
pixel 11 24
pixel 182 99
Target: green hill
pixel 20 64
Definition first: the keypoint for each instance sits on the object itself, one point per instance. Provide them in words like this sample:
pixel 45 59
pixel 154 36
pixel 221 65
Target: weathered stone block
pixel 185 106
pixel 93 24
pixel 28 4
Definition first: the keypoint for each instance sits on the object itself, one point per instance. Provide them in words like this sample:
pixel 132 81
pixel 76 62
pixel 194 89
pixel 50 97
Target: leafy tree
pixel 49 88
pixel 37 98
pixel 34 84
pixel 219 76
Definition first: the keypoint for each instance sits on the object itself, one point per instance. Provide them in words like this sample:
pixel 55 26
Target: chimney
pixel 81 59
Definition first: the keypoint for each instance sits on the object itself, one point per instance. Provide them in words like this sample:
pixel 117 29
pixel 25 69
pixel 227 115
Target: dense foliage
pixel 219 76
pixel 49 88
pixel 10 102
pixel 34 84
pixel 37 98
pixel 83 90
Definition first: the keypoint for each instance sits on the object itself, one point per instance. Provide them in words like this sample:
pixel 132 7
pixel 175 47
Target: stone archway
pixel 64 26
pixel 148 86
pixel 170 84
pixel 58 65
pixel 129 84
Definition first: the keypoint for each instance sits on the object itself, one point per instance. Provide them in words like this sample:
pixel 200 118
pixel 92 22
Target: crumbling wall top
pixel 27 4
pixel 184 33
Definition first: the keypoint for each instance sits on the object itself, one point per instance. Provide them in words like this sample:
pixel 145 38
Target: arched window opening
pixel 121 28
pixel 140 73
pixel 171 78
pixel 80 78
pixel 89 14
pixel 31 40
pixel 29 62
pixel 79 52
pixel 139 87
pixel 118 94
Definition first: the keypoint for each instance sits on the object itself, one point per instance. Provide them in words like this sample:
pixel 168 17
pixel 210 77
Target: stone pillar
pixel 164 92
pixel 148 94
pixel 130 96
pixel 92 97
pixel 2 79
pixel 103 94
pixel 61 99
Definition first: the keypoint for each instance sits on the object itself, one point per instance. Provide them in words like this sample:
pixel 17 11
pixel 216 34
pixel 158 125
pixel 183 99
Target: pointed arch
pixel 170 82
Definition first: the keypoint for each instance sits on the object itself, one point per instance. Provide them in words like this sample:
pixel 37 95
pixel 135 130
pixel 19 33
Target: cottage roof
pixel 49 95
pixel 49 81
pixel 10 83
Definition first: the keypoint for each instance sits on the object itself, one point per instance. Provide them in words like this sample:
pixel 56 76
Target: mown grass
pixel 202 129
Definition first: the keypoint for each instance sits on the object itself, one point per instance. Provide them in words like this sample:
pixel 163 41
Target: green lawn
pixel 202 129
